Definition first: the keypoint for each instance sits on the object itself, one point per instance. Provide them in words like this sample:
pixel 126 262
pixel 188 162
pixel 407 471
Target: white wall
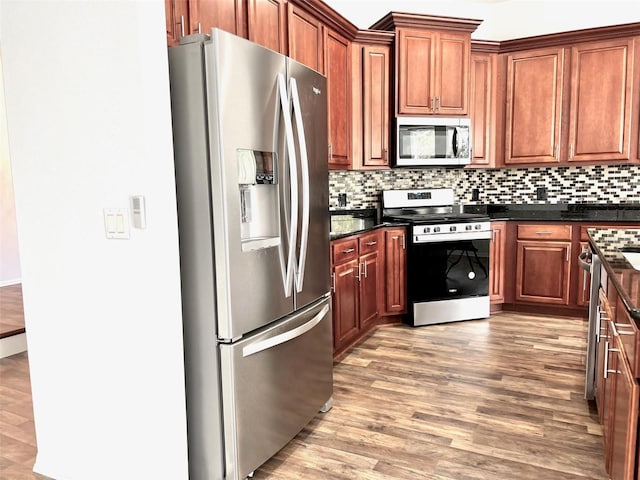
pixel 502 19
pixel 87 99
pixel 9 254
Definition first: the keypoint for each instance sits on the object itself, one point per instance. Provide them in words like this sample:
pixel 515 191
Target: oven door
pixel 448 280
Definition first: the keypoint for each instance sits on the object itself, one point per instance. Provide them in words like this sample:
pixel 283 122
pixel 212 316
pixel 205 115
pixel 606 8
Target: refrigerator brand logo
pixel 316 91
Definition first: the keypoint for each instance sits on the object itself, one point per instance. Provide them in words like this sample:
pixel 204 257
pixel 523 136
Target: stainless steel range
pixel 447 257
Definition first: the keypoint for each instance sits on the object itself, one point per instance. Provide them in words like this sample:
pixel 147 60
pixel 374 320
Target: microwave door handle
pixel 304 167
pixel 454 141
pixel 293 174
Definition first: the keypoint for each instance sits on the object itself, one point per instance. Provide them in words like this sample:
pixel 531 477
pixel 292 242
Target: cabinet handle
pixel 384 154
pixel 404 246
pixel 181 23
pixel 330 151
pixel 365 269
pixel 358 272
pixel 623 325
pixel 369 244
pixel 570 151
pixel 607 350
pixel 433 99
pixel 333 282
pixel 567 253
pixel 348 250
pixel 542 232
pixel 199 28
pixel 438 103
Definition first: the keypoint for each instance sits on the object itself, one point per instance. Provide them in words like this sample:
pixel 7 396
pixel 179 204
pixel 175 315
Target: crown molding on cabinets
pixel 415 20
pixel 569 38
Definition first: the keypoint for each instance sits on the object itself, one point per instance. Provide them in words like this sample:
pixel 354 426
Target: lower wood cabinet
pixel 543 263
pixel 617 390
pixel 496 261
pixel 368 282
pixel 395 243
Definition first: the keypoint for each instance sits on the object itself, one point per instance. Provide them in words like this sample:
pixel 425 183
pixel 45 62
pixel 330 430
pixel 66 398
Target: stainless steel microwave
pixel 427 141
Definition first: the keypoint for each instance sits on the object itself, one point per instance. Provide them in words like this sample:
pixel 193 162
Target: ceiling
pixel 502 19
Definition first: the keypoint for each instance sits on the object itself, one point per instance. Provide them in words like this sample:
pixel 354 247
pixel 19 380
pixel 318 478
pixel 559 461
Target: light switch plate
pixel 116 223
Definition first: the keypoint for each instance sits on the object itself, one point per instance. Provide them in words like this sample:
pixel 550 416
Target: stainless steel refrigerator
pixel 250 141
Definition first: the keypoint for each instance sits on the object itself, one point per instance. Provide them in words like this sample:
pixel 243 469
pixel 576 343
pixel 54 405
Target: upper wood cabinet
pixel 482 108
pixel 176 14
pixel 185 17
pixel 600 112
pixel 338 72
pixel 433 72
pixel 432 63
pixel 306 38
pixel 375 105
pixel 266 22
pixel 534 106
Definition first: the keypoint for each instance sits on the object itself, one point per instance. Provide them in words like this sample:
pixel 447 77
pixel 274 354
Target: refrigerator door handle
pixel 292 225
pixel 304 167
pixel 281 338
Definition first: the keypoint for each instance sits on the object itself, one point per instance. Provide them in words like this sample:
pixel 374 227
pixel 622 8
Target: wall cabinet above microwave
pixel 432 63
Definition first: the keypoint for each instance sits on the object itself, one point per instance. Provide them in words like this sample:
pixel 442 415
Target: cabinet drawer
pixel 369 242
pixel 344 250
pixel 544 232
pixel 628 331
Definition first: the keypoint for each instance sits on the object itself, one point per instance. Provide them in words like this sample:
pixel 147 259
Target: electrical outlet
pixel 541 193
pixel 342 199
pixel 475 194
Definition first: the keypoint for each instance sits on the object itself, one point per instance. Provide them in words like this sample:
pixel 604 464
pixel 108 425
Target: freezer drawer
pixel 273 384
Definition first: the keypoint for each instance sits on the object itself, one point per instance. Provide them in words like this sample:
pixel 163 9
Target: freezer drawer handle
pixel 286 336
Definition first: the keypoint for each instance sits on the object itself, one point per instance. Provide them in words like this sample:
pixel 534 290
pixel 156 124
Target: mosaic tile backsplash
pixel 580 184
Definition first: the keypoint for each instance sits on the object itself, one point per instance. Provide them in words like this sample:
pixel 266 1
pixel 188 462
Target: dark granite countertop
pixel 337 236
pixel 561 212
pixel 607 243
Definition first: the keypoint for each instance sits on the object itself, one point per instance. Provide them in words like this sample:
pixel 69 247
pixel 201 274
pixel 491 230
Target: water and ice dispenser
pixel 259 207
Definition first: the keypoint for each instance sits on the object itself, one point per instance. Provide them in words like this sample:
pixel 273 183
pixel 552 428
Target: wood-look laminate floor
pixel 490 399
pixel 11 311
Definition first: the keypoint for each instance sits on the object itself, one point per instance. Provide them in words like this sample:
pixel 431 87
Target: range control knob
pixel 427 229
pixel 478 226
pixel 452 228
pixel 436 229
pixel 468 227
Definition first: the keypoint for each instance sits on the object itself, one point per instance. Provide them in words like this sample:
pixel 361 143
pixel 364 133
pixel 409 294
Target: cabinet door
pixel 542 272
pixel 375 85
pixel 177 18
pixel 602 349
pixel 369 286
pixel 483 78
pixel 534 103
pixel 338 71
pixel 415 78
pixel 345 303
pixel 452 73
pixel 624 416
pixel 600 116
pixel 305 38
pixel 395 270
pixel 496 259
pixel 266 21
pixel 226 15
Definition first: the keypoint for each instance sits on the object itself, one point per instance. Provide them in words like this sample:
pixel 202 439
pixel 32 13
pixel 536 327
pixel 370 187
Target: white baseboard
pixel 13 344
pixel 6 283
